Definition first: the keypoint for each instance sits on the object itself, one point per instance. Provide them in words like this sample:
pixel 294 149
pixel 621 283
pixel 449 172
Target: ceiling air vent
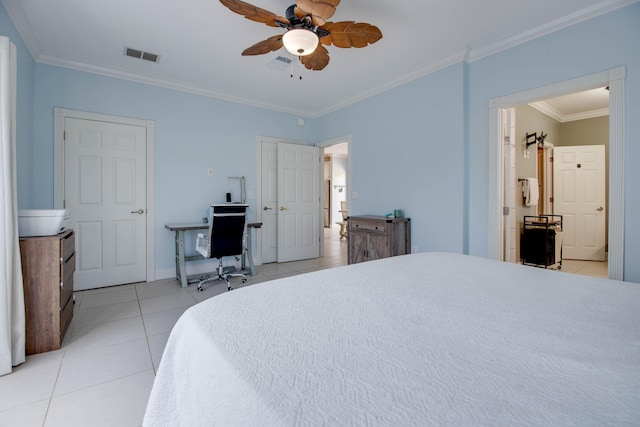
pixel 135 53
pixel 279 63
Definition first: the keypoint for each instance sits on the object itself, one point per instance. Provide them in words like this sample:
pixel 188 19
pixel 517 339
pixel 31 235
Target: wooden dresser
pixel 48 264
pixel 374 237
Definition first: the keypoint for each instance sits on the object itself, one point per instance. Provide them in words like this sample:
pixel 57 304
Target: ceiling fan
pixel 307 30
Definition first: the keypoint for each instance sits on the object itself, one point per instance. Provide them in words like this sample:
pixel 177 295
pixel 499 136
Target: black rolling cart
pixel 541 242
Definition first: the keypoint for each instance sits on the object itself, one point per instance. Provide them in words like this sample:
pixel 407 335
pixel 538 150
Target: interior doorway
pixel 566 158
pixel 499 209
pixel 336 182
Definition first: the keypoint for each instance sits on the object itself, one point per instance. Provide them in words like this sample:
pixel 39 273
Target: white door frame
pixel 346 139
pixel 615 79
pixel 60 114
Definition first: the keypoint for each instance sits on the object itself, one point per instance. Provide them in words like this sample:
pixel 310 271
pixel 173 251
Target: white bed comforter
pixel 417 340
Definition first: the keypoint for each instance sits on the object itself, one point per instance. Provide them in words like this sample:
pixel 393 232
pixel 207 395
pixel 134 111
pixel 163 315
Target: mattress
pixel 421 339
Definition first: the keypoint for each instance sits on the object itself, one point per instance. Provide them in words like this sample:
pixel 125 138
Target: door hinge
pixel 551 159
pixel 505 210
pixel 551 199
pixel 64 135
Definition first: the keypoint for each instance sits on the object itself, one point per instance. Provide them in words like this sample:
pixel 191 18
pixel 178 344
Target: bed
pixel 415 340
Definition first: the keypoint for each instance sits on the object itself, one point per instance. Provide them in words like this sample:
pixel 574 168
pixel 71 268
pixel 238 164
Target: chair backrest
pixel 344 210
pixel 227 229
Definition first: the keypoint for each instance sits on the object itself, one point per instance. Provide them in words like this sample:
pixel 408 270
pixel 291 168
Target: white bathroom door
pixel 105 193
pixel 579 196
pixel 298 202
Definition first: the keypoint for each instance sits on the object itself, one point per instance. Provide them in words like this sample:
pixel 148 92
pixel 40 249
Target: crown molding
pixel 548 110
pixel 163 83
pixel 406 78
pixel 548 28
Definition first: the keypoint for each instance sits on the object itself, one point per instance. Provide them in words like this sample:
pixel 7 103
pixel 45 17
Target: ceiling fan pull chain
pixel 300 66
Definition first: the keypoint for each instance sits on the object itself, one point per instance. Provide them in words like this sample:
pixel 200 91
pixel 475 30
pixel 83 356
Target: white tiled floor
pixel 586 268
pixel 104 371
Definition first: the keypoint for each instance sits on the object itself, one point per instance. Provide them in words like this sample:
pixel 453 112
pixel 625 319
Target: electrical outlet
pixel 414 249
pixel 210 171
pixel 250 195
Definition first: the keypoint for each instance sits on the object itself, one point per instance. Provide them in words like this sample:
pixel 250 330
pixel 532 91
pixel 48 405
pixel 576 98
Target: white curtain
pixel 12 322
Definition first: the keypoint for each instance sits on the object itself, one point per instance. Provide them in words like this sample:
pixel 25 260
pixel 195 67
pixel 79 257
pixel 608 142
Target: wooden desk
pixel 181 259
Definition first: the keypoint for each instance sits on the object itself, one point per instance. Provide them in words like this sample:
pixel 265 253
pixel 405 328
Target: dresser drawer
pixel 66 314
pixel 365 225
pixel 66 283
pixel 68 246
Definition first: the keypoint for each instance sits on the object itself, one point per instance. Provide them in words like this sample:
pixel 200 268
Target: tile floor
pixel 104 371
pixel 586 268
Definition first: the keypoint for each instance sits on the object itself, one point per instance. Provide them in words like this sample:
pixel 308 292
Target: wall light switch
pixel 354 194
pixel 250 195
pixel 210 171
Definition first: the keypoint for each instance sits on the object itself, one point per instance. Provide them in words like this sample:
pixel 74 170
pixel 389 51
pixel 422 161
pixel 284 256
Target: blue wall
pixel 407 153
pixel 24 113
pixel 422 147
pixel 192 133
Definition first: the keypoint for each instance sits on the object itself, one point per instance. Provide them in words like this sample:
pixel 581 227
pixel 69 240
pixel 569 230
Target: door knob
pixel 266 209
pixel 600 208
pixel 282 208
pixel 139 211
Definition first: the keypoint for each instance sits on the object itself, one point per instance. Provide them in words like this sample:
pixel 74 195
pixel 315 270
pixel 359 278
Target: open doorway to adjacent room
pixel 561 143
pixel 335 200
pixel 565 142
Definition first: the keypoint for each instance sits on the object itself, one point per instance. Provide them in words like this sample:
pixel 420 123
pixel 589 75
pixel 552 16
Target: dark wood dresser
pixel 48 264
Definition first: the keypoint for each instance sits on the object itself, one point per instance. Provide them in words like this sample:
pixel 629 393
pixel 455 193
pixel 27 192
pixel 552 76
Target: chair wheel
pixel 200 289
pixel 243 280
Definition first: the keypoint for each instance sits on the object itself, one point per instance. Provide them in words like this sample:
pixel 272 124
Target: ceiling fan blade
pixel 320 10
pixel 265 46
pixel 254 13
pixel 317 60
pixel 350 34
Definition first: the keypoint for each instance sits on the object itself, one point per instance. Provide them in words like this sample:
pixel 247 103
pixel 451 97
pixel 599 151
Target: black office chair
pixel 227 226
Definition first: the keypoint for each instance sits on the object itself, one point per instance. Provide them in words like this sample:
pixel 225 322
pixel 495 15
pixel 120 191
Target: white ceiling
pixel 577 106
pixel 200 41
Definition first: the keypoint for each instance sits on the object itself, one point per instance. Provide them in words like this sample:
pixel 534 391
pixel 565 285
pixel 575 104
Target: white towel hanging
pixel 530 191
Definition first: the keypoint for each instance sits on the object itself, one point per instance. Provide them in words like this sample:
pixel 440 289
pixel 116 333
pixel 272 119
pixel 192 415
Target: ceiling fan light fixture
pixel 300 42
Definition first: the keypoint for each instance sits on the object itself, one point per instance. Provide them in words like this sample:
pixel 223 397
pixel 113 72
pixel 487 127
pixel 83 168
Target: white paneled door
pixel 579 196
pixel 105 192
pixel 298 202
